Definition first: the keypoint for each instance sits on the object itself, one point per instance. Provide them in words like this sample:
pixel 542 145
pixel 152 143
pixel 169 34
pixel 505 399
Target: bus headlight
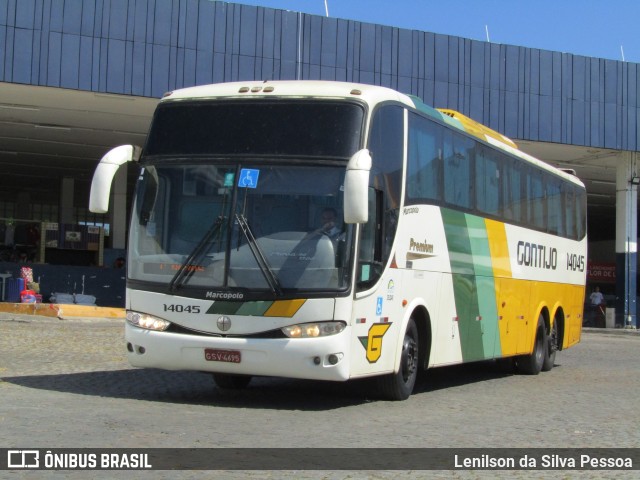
pixel 312 330
pixel 148 322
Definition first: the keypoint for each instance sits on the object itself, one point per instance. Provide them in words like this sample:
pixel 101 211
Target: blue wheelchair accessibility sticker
pixel 248 178
pixel 379 306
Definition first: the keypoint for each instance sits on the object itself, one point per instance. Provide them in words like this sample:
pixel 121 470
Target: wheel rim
pixel 553 339
pixel 540 337
pixel 409 358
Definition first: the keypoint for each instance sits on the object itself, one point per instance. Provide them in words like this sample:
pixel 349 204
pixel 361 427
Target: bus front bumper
pixel 322 358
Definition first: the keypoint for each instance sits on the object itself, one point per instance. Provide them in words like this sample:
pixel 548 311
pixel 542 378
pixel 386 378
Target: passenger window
pixel 424 165
pixel 487 181
pixel 458 154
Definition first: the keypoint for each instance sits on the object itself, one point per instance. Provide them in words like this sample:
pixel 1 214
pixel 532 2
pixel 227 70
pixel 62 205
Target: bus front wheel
pixel 532 364
pixel 399 385
pixel 231 382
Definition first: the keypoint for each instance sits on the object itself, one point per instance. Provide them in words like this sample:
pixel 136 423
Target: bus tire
pixel 231 382
pixel 532 364
pixel 552 348
pixel 399 385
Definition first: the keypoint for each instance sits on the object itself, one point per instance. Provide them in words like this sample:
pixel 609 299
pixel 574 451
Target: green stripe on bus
pixel 254 308
pixel 473 285
pixel 221 307
pixel 485 285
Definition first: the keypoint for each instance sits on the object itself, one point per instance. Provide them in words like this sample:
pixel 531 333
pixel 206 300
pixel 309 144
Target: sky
pixel 596 28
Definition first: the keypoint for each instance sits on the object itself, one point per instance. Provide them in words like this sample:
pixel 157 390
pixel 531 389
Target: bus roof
pixel 291 88
pixel 371 94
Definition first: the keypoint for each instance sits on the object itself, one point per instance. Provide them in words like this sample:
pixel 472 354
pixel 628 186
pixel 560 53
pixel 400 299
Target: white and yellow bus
pixel 333 231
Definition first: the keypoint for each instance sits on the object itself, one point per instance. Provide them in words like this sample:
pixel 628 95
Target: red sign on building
pixel 599 272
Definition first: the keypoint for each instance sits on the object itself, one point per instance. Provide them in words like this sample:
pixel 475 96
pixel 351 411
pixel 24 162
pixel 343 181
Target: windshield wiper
pixel 269 276
pixel 184 272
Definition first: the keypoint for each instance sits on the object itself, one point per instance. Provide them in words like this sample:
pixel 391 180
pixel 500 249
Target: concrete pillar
pixel 66 213
pixel 626 239
pixel 119 209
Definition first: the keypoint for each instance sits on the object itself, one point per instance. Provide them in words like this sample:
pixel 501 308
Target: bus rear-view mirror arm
pixel 105 171
pixel 356 185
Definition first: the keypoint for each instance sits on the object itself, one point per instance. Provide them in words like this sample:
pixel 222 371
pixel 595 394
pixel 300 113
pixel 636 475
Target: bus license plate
pixel 215 355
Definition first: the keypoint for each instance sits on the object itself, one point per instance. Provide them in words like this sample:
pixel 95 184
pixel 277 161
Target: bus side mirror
pixel 356 185
pixel 105 171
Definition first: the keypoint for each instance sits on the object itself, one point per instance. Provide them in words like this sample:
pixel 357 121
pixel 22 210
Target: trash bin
pixel 610 318
pixel 14 287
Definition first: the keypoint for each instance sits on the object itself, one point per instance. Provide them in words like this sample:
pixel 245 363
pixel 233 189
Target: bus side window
pixel 536 196
pixel 568 207
pixel 386 144
pixel 458 157
pixel 555 224
pixel 512 199
pixel 424 164
pixel 370 251
pixel 487 181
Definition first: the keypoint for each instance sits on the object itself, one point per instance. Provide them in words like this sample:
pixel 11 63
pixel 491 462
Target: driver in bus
pixel 329 219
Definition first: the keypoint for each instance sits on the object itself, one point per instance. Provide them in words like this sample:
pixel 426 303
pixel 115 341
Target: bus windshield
pixel 264 229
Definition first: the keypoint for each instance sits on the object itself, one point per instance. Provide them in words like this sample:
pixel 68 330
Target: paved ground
pixel 66 383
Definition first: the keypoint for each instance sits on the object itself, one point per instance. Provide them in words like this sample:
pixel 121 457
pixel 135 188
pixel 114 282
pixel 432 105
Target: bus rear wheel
pixel 552 348
pixel 532 364
pixel 231 382
pixel 399 385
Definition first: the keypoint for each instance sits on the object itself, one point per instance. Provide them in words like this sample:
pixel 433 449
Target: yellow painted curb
pixel 62 310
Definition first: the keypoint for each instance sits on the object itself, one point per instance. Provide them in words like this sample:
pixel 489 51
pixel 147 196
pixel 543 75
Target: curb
pixel 612 331
pixel 58 310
